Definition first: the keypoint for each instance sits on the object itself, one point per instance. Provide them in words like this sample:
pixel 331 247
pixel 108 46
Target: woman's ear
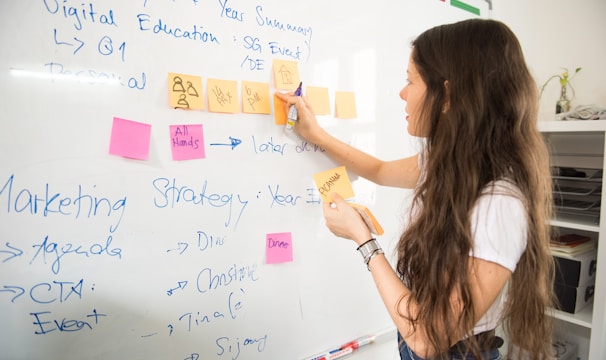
pixel 446 105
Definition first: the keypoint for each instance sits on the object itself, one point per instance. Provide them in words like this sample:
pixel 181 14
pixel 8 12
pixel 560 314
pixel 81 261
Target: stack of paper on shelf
pixel 572 244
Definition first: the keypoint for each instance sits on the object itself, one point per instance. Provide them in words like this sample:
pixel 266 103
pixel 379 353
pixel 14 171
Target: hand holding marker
pixel 292 112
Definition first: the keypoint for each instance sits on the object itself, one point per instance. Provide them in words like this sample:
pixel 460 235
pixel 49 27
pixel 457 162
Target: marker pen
pixel 359 342
pixel 339 354
pixel 292 112
pixel 345 349
pixel 326 355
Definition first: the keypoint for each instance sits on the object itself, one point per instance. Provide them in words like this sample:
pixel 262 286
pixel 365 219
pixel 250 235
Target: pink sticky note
pixel 187 142
pixel 130 139
pixel 278 248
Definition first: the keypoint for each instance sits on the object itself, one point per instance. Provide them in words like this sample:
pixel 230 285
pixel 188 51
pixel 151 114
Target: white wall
pixel 561 33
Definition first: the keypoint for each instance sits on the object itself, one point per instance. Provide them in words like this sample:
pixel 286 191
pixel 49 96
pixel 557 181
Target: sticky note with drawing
pixel 286 74
pixel 255 97
pixel 223 96
pixel 185 91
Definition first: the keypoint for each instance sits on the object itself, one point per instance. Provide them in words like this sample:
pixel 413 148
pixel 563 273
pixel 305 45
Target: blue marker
pixel 292 112
pixel 328 354
pixel 333 354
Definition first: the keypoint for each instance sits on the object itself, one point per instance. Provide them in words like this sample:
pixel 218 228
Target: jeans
pixel 406 353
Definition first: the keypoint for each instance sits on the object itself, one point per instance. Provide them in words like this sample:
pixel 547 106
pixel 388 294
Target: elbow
pixel 418 347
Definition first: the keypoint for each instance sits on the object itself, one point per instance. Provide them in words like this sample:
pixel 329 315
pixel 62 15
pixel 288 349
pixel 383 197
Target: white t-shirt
pixel 499 229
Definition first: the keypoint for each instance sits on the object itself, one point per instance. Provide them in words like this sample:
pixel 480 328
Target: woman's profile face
pixel 414 94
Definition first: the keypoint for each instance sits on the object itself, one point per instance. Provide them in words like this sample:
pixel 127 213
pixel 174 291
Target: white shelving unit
pixel 582 144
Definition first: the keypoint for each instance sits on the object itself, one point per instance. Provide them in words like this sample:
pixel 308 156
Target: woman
pixel 476 253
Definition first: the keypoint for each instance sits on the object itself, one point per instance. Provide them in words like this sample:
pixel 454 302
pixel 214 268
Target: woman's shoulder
pixel 499 222
pixel 503 187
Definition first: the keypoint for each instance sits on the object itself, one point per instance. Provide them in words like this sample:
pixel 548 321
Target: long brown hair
pixel 488 132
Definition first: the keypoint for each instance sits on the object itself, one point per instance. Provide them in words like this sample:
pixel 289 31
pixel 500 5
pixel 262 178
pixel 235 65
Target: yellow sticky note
pixel 334 180
pixel 222 96
pixel 345 105
pixel 286 74
pixel 255 97
pixel 319 99
pixel 279 111
pixel 185 91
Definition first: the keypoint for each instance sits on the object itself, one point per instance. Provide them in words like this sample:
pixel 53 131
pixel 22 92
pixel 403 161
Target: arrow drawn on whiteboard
pixel 68 44
pixel 14 253
pixel 182 247
pixel 15 290
pixel 233 143
pixel 180 285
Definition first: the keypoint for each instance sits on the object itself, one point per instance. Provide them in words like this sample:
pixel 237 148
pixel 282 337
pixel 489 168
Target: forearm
pixel 354 160
pixel 396 297
pixel 399 173
pixel 392 289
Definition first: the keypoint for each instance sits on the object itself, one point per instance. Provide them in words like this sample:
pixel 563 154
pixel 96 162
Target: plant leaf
pixel 547 82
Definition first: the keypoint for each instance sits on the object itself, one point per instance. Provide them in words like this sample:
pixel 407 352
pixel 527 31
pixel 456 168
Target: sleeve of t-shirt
pixel 499 229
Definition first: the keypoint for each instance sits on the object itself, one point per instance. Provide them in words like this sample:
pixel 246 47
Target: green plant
pixel 564 80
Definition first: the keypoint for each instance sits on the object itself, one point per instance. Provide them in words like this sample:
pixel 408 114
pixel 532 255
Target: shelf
pixel 576 205
pixel 577 151
pixel 572 125
pixel 582 318
pixel 588 174
pixel 578 155
pixel 575 221
pixel 575 190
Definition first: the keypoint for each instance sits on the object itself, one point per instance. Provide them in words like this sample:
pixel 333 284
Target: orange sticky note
pixel 334 180
pixel 222 96
pixel 369 218
pixel 187 142
pixel 278 248
pixel 279 111
pixel 185 91
pixel 130 139
pixel 345 105
pixel 286 74
pixel 255 97
pixel 319 99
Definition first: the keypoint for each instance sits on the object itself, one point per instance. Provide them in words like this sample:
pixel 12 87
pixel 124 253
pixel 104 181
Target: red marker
pixel 359 342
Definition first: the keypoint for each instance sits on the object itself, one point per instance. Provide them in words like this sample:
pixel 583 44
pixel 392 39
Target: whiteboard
pixel 106 257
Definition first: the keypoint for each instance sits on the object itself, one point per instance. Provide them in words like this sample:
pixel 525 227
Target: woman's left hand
pixel 345 221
